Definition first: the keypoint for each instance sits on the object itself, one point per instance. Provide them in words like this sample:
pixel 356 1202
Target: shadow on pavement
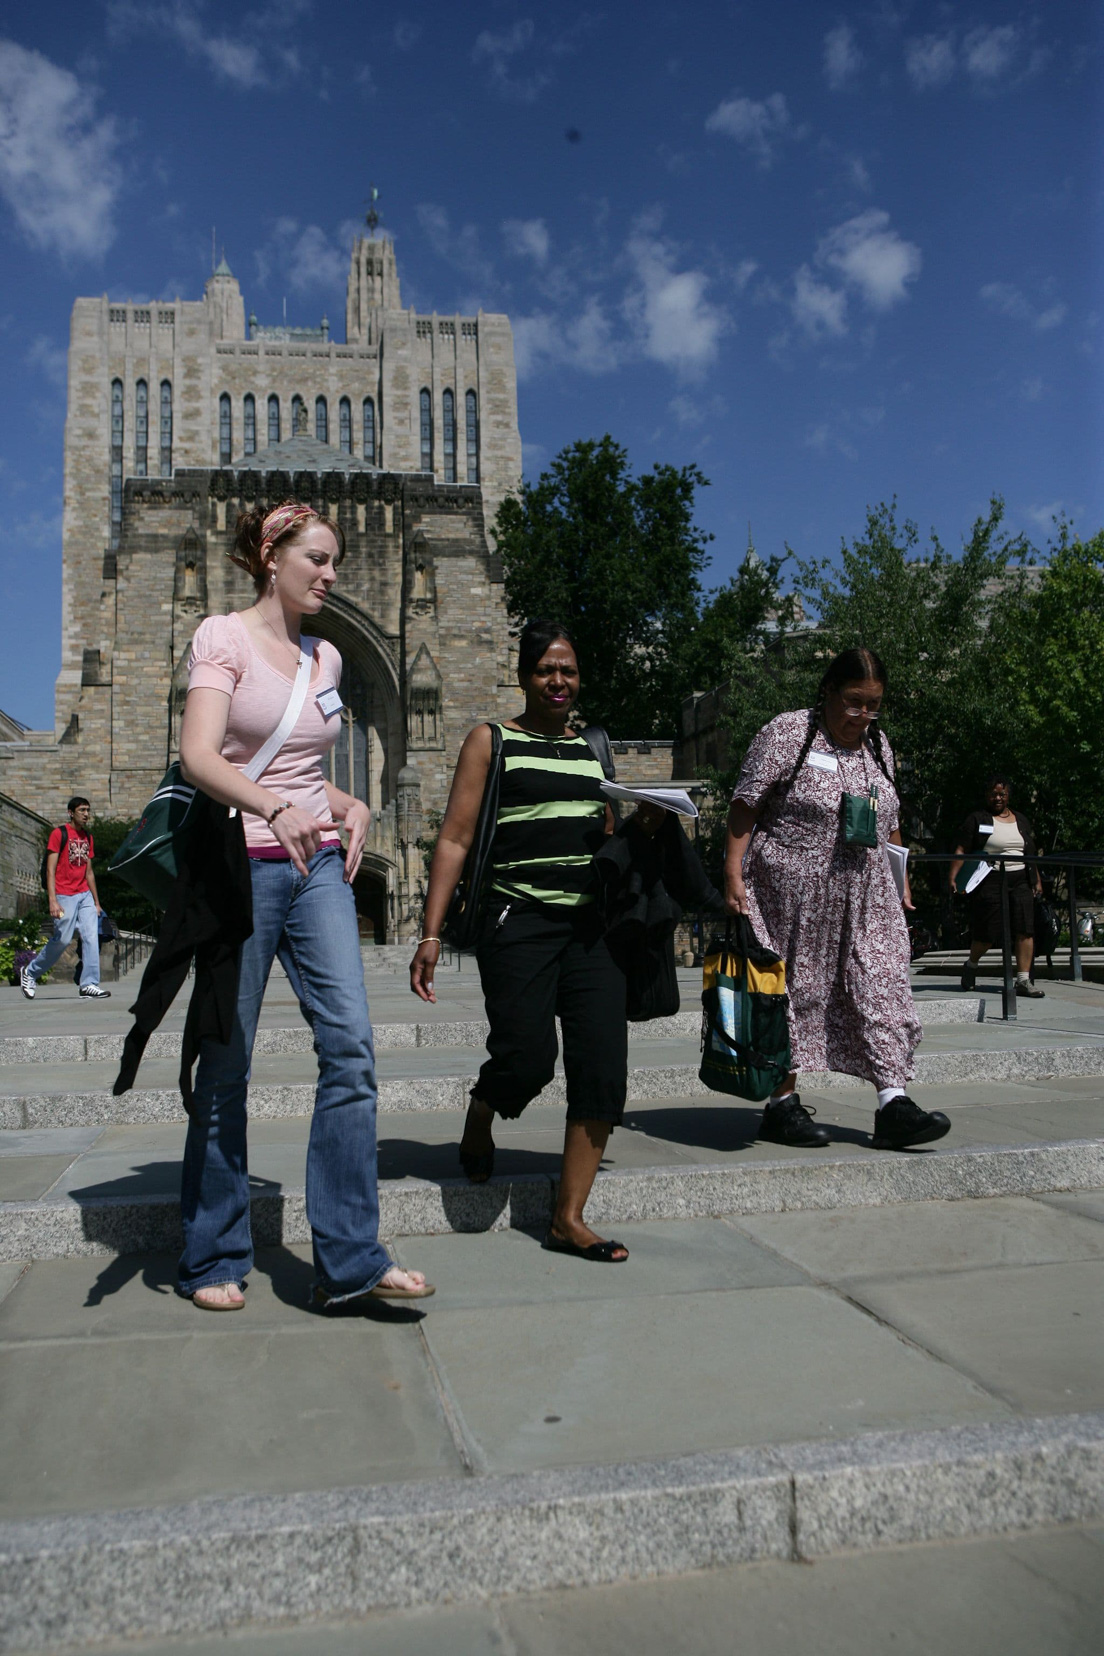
pixel 720 1127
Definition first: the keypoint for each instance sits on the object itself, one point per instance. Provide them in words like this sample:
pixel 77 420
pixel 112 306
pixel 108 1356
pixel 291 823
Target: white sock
pixel 886 1093
pixel 780 1098
pixel 1023 977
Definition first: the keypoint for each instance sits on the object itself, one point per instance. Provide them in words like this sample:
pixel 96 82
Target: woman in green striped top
pixel 541 952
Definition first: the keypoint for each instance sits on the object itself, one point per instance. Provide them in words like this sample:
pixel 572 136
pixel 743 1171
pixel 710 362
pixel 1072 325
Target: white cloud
pixel 584 342
pixel 930 61
pixel 527 239
pixel 49 359
pixel 40 532
pixel 1043 516
pixel 745 270
pixel 988 54
pixel 1010 301
pixel 842 58
pixel 758 127
pixel 820 310
pixel 674 322
pixel 305 258
pixel 459 248
pixel 871 257
pixel 406 34
pixel 59 171
pixel 498 51
pixel 256 58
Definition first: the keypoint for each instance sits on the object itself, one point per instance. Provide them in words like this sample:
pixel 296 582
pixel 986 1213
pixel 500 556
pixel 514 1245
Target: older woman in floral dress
pixel 830 907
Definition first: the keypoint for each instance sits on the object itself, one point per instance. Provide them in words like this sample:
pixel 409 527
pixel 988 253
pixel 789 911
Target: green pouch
pixel 859 816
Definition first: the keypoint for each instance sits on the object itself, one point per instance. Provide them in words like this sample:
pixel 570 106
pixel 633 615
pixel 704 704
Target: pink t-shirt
pixel 224 657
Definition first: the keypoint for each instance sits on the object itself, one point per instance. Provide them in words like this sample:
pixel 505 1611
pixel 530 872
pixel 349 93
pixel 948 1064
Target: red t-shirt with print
pixel 71 874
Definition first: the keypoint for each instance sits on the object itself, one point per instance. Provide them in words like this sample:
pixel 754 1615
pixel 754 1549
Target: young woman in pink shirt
pixel 241 676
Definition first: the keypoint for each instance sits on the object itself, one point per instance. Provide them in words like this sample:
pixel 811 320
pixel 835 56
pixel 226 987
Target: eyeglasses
pixel 862 712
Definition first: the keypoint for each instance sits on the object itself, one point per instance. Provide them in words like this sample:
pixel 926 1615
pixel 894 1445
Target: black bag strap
pixel 597 740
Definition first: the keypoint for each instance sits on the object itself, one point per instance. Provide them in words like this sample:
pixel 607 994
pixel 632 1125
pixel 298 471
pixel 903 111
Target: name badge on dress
pixel 822 761
pixel 985 827
pixel 329 702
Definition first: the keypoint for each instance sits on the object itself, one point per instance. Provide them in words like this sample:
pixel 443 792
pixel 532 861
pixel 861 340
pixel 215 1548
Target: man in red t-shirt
pixel 74 903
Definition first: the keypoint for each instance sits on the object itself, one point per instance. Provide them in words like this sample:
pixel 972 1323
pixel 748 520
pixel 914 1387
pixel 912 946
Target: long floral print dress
pixel 830 909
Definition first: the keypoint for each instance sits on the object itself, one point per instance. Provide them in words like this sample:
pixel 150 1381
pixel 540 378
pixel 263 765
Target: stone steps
pixel 56 1227
pixel 441 1091
pixel 320 1556
pixel 390 1035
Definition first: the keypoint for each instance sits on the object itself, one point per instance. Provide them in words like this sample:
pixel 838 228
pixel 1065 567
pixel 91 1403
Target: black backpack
pixel 42 866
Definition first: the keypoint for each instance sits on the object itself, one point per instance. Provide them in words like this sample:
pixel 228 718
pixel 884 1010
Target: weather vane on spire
pixel 371 217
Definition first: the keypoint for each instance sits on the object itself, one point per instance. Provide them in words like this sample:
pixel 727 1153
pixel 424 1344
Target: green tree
pixel 618 560
pixel 1049 636
pixel 949 714
pixel 737 619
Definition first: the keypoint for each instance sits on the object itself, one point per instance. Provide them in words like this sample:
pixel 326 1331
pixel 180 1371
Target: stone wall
pixel 22 841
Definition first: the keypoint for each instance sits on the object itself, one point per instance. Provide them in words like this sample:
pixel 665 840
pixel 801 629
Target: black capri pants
pixel 985 908
pixel 539 963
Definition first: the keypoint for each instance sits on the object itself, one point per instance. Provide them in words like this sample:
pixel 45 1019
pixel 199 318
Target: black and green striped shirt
pixel 551 819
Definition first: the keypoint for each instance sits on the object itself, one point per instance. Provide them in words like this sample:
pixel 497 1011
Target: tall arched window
pixel 141 428
pixel 369 431
pixel 321 420
pixel 226 430
pixel 448 435
pixel 345 425
pixel 298 416
pixel 116 460
pixel 471 409
pixel 427 430
pixel 249 424
pixel 274 419
pixel 166 428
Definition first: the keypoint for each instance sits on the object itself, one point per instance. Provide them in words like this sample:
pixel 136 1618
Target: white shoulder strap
pixel 266 754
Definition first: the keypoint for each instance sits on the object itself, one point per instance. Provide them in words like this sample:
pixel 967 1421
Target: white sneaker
pixel 92 991
pixel 27 983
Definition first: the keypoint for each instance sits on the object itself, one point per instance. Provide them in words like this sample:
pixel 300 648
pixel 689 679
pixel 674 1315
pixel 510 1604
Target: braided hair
pixel 849 667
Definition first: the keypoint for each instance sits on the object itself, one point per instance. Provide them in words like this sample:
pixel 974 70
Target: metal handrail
pixel 1067 860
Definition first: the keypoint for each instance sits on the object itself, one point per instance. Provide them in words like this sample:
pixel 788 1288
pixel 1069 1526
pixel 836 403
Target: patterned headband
pixel 281 519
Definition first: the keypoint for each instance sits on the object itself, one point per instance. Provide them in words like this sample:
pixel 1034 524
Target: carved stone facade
pixel 168 434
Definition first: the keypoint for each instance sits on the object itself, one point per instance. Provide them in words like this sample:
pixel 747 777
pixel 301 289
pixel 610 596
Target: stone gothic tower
pixel 180 413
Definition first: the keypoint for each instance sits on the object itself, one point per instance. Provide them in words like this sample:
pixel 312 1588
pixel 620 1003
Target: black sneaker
pixel 901 1123
pixel 969 977
pixel 1029 991
pixel 789 1122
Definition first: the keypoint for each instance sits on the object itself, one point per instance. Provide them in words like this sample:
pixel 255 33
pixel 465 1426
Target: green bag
pixel 149 858
pixel 859 816
pixel 745 1035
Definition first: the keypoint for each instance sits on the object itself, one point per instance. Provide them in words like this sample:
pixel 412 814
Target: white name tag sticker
pixel 329 702
pixel 985 827
pixel 823 761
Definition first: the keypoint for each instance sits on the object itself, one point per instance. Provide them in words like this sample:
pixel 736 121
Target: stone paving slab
pixel 113 1575
pixel 123 1216
pixel 106 1048
pixel 998 1596
pixel 427 1080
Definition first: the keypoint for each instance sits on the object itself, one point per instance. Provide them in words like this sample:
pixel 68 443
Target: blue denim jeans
pixel 78 913
pixel 310 922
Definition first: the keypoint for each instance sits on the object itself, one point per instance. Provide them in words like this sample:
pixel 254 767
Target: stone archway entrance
pixel 372 905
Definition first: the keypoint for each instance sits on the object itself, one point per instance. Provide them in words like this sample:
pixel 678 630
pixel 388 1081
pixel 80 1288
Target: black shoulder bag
pixel 461 925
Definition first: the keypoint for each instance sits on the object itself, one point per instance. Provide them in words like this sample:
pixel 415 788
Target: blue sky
pixel 829 254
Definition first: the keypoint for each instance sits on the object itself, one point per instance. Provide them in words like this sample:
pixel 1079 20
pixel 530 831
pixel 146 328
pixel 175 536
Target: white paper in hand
pixel 668 799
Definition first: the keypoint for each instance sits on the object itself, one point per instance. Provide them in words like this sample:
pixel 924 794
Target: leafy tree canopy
pixel 618 560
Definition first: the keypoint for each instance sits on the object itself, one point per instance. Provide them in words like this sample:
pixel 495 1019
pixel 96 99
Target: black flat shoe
pixel 603 1253
pixel 902 1123
pixel 968 978
pixel 789 1122
pixel 478 1165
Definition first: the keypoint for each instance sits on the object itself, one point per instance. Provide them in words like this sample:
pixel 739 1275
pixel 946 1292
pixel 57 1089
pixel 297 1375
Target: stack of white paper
pixel 669 799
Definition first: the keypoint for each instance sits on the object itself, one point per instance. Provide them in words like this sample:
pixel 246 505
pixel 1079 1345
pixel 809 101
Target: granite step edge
pixel 73 1581
pixel 59 1227
pixel 389 1035
pixel 450 1092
